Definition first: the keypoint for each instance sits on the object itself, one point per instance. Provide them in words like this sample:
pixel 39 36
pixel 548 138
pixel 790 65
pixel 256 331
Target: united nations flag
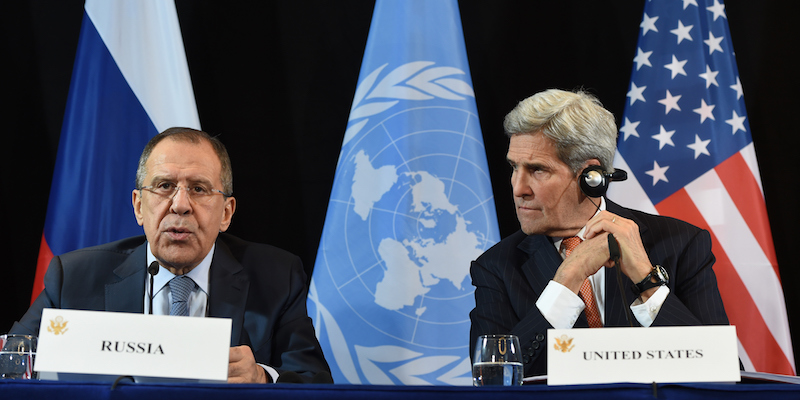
pixel 411 207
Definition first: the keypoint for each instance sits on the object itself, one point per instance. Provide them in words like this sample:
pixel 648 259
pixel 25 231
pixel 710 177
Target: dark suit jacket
pixel 261 288
pixel 510 276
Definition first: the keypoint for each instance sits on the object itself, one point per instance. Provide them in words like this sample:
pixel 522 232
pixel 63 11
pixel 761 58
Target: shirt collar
pixel 199 274
pixel 581 233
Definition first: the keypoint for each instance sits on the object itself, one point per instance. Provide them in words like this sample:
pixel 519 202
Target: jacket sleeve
pixel 694 297
pixel 293 345
pixel 505 304
pixel 50 297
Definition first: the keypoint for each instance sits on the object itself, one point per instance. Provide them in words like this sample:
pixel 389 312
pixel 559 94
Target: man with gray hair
pixel 550 273
pixel 183 199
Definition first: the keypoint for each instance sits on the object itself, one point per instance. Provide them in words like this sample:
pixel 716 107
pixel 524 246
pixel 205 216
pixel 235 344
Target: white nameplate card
pixel 139 345
pixel 642 355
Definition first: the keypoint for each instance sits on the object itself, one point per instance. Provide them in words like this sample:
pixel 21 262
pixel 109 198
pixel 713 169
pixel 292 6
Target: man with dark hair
pixel 184 201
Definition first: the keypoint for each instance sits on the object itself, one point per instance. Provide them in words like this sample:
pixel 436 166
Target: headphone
pixel 594 180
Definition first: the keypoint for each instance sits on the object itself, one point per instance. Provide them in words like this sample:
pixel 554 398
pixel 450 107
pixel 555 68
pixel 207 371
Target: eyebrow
pixel 528 165
pixel 160 178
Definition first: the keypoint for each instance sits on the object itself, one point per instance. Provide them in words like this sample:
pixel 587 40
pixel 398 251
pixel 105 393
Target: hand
pixel 242 367
pixel 585 260
pixel 634 262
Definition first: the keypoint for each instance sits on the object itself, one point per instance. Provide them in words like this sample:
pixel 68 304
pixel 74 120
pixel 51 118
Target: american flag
pixel 686 140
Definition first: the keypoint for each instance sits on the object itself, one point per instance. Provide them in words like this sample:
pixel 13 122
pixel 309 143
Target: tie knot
pixel 569 244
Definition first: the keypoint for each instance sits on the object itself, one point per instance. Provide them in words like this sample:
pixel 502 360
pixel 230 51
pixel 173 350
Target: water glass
pixel 17 355
pixel 497 361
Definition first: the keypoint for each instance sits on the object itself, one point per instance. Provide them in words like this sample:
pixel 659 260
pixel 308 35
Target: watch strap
pixel 647 283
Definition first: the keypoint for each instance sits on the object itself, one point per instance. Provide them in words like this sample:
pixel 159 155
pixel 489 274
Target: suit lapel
pixel 542 263
pixel 228 289
pixel 126 293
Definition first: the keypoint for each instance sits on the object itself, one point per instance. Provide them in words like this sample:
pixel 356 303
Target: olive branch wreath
pixel 417 80
pixel 370 358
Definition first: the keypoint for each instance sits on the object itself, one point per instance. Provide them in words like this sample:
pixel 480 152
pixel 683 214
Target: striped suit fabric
pixel 510 276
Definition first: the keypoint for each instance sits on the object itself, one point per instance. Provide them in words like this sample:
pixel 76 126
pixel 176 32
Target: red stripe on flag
pixel 745 193
pixel 762 348
pixel 45 255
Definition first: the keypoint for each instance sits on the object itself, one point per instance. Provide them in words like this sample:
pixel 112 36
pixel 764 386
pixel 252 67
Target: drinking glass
pixel 497 361
pixel 17 354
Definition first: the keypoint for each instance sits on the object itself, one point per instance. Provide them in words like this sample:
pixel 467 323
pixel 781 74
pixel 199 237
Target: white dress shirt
pixel 162 296
pixel 561 306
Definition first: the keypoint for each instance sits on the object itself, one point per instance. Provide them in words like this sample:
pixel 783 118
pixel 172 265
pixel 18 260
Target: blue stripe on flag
pixel 104 131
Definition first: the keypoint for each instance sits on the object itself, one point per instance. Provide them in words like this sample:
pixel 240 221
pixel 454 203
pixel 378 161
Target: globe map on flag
pixel 410 209
pixel 419 224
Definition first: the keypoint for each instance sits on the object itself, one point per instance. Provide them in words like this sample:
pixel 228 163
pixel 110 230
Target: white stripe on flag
pixel 744 357
pixel 749 155
pixel 141 35
pixel 737 241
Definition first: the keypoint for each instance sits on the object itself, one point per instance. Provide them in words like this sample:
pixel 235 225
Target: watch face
pixel 662 273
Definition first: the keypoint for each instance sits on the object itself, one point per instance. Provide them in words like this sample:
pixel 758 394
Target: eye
pixel 165 187
pixel 200 190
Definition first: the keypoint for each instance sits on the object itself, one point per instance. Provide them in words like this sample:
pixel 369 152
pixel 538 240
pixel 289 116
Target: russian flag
pixel 129 82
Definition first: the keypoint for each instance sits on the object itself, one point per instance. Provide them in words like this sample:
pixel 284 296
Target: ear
pixel 590 162
pixel 592 180
pixel 227 214
pixel 136 200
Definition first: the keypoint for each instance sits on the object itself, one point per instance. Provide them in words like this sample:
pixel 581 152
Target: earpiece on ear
pixel 594 180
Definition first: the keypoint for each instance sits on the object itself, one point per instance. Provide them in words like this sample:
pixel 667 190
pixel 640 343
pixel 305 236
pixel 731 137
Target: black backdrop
pixel 276 80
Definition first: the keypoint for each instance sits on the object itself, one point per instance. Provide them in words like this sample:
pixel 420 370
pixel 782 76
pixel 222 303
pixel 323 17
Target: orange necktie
pixel 585 293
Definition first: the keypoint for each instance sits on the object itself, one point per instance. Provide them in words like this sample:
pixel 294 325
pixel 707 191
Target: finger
pixel 233 371
pixel 602 222
pixel 235 354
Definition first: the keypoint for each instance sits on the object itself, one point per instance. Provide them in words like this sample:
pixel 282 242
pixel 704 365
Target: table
pixel 31 390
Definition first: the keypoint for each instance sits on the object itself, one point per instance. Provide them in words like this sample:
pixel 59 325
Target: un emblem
pixel 411 208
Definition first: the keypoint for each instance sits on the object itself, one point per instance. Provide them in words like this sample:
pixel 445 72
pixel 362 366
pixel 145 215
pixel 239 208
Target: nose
pixel 181 203
pixel 519 185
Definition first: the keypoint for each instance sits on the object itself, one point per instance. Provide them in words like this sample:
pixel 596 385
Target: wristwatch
pixel 657 277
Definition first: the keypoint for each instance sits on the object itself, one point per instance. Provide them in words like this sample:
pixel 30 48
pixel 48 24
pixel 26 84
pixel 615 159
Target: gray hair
pixel 192 136
pixel 575 121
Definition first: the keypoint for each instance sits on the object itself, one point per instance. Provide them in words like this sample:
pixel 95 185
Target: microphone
pixel 152 269
pixel 615 254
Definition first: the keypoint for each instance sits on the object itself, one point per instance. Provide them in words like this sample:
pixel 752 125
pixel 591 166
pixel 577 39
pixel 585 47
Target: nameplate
pixel 117 344
pixel 642 355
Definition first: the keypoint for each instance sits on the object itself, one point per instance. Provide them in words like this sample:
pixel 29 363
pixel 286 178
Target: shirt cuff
pixel 273 373
pixel 647 312
pixel 559 305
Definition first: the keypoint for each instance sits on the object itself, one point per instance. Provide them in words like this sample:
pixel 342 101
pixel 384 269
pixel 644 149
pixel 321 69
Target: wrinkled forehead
pixel 182 160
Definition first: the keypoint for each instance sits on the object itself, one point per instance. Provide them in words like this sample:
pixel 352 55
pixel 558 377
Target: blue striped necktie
pixel 180 286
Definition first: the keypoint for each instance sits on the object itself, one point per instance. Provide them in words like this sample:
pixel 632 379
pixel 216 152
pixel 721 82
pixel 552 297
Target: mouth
pixel 178 233
pixel 528 211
